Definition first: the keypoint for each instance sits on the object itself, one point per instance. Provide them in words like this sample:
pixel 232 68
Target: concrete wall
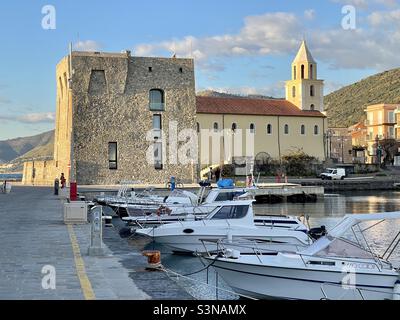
pixel 40 173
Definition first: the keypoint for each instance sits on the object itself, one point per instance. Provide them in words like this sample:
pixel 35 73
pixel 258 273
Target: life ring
pixel 162 210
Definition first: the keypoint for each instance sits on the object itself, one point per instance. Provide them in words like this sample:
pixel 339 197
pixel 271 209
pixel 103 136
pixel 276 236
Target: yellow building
pixel 380 125
pixel 244 127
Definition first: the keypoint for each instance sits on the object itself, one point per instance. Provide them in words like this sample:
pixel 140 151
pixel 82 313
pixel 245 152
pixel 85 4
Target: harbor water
pixel 325 212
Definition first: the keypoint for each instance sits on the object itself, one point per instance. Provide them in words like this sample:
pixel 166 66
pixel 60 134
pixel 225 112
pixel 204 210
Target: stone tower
pixel 305 90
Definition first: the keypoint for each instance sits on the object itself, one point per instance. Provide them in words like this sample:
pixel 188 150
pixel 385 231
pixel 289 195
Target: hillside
pixel 211 93
pixel 345 107
pixel 17 150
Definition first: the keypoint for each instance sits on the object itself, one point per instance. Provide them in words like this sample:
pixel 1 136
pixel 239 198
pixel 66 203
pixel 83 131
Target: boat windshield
pixel 231 212
pixel 339 247
pixel 229 196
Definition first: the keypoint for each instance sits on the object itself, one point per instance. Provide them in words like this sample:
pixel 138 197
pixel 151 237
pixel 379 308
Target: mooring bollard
pixel 96 235
pixel 153 259
pixel 56 187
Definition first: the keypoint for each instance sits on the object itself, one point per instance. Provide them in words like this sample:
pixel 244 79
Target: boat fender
pixel 229 237
pixel 232 254
pixel 396 290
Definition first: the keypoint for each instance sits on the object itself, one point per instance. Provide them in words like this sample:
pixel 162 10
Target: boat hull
pixel 266 282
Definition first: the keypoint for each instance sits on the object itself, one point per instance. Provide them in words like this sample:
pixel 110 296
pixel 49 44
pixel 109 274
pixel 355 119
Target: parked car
pixel 333 174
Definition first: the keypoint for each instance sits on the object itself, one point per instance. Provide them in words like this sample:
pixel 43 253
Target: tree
pixel 390 148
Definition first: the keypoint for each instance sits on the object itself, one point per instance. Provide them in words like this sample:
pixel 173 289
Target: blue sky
pixel 239 46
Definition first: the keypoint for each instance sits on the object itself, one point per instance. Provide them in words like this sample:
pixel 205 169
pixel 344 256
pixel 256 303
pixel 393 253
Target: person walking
pixel 63 181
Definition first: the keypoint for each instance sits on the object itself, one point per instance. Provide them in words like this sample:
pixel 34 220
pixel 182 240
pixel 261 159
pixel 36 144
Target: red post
pixel 73 191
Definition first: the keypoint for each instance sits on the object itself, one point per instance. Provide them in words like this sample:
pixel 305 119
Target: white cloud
pixel 4 100
pixel 37 117
pixel 360 4
pixel 47 117
pixel 309 14
pixel 270 33
pixel 87 45
pixel 380 18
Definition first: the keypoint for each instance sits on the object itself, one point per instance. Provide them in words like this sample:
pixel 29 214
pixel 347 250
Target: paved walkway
pixel 33 235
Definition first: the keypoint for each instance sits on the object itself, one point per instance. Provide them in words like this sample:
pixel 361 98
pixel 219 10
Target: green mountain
pixel 345 106
pixel 18 150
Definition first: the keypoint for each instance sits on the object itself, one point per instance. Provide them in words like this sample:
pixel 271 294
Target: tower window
pixel 156 100
pixel 181 70
pixel 150 69
pixel 303 129
pixel 286 129
pixel 294 92
pixel 234 127
pixel 198 127
pixel 312 107
pixel 157 126
pixel 316 130
pixel 112 156
pixel 302 71
pixel 252 128
pixel 269 129
pixel 158 162
pixel 312 93
pixel 311 71
pixel 216 127
pixel 294 73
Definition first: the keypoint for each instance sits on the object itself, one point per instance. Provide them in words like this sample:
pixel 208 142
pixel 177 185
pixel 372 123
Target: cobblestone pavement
pixel 33 235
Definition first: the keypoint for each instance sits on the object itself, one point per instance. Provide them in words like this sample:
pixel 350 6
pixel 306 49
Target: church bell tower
pixel 305 90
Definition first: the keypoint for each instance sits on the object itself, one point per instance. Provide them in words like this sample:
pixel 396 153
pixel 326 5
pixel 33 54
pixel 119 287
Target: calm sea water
pixel 10 176
pixel 327 212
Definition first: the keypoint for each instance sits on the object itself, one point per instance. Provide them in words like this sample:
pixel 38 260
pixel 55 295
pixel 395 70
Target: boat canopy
pixel 351 220
pixel 182 196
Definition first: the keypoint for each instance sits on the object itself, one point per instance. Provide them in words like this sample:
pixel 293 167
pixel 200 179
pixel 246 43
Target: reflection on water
pixel 325 212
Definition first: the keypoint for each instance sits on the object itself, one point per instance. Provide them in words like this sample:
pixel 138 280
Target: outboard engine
pixel 317 233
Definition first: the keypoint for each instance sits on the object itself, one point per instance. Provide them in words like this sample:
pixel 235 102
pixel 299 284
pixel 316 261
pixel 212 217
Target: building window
pixel 294 92
pixel 269 129
pixel 216 129
pixel 311 71
pixel 181 70
pixel 150 69
pixel 312 107
pixel 112 156
pixel 294 73
pixel 157 126
pixel 302 71
pixel 286 130
pixel 252 128
pixel 234 127
pixel 158 165
pixel 312 93
pixel 316 130
pixel 198 127
pixel 303 129
pixel 391 117
pixel 156 100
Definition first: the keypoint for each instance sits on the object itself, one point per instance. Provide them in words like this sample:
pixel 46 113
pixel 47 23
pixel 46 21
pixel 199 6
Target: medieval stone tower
pixel 305 90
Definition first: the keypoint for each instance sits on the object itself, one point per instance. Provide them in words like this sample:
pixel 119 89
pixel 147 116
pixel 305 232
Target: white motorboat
pixel 331 268
pixel 231 220
pixel 175 211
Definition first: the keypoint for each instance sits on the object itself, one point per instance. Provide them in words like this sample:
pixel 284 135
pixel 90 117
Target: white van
pixel 333 174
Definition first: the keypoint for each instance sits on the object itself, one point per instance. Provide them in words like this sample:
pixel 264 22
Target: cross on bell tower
pixel 305 90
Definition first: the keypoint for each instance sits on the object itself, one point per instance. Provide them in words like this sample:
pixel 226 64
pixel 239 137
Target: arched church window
pixel 294 73
pixel 216 127
pixel 293 91
pixel 286 129
pixel 252 128
pixel 312 93
pixel 157 100
pixel 303 129
pixel 234 127
pixel 302 71
pixel 312 107
pixel 311 71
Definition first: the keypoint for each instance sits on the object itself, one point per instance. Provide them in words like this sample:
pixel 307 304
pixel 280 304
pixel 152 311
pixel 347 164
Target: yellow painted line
pixel 86 286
